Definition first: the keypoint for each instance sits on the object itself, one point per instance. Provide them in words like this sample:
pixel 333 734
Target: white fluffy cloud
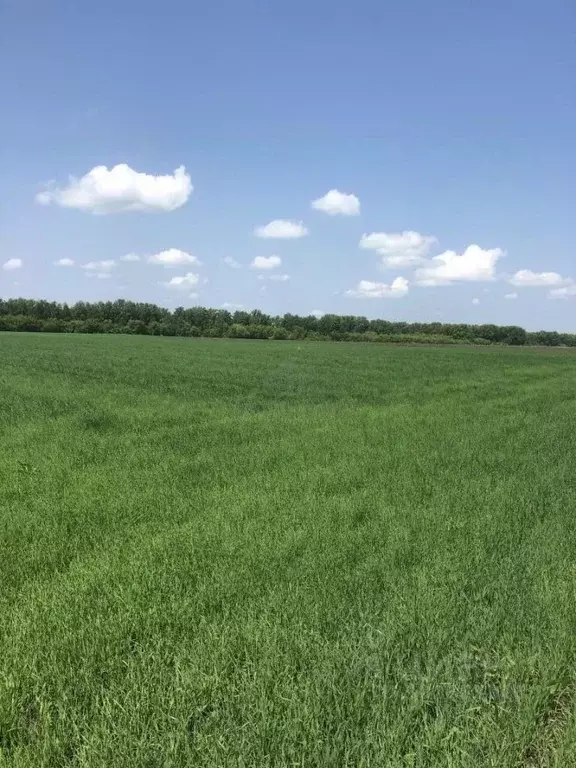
pixel 172 257
pixel 64 263
pixel 232 263
pixel 120 189
pixel 231 306
pixel 474 265
pixel 266 262
pixel 130 257
pixel 398 249
pixel 511 296
pixel 476 301
pixel 563 293
pixel 527 278
pixel 366 289
pixel 317 313
pixel 282 229
pixel 183 282
pixel 12 264
pixel 336 203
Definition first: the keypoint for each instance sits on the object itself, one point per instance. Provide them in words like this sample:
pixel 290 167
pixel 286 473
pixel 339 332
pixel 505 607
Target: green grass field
pixel 227 553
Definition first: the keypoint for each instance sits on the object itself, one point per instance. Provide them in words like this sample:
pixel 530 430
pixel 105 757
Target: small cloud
pixel 182 282
pixel 99 269
pixel 398 249
pixel 282 229
pixel 528 279
pixel 336 203
pixel 474 265
pixel 12 264
pixel 64 263
pixel 266 262
pixel 317 313
pixel 172 257
pixel 131 257
pixel 100 266
pixel 275 278
pixel 231 306
pixel 120 189
pixel 476 301
pixel 232 263
pixel 563 293
pixel 366 289
pixel 511 296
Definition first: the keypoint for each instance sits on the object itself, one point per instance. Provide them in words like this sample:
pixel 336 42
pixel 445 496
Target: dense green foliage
pixel 148 319
pixel 241 554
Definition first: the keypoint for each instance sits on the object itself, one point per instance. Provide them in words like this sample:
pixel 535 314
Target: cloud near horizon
pixel 100 269
pixel 120 189
pixel 398 249
pixel 172 257
pixel 563 293
pixel 529 279
pixel 183 282
pixel 366 289
pixel 475 264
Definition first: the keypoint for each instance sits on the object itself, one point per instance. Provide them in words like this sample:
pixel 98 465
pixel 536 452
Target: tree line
pixel 129 317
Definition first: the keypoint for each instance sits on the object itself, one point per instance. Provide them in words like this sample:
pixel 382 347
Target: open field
pixel 235 553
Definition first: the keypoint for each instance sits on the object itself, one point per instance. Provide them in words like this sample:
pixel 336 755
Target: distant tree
pixel 122 316
pixel 513 334
pixel 137 327
pixel 279 333
pixel 54 326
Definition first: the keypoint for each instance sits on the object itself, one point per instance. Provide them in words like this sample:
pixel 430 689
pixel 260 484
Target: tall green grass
pixel 227 553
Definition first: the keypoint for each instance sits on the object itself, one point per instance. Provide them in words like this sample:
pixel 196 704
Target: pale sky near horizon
pixel 409 161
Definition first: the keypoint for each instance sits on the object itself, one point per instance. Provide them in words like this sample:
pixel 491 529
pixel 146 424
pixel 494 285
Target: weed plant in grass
pixel 226 553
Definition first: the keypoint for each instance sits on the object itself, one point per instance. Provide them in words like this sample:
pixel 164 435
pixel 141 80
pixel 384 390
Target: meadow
pixel 268 554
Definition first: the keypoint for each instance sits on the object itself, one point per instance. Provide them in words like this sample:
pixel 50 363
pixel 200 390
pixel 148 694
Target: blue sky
pixel 442 125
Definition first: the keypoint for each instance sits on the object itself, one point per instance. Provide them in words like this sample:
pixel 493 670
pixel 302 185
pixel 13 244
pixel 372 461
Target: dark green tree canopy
pixel 132 317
